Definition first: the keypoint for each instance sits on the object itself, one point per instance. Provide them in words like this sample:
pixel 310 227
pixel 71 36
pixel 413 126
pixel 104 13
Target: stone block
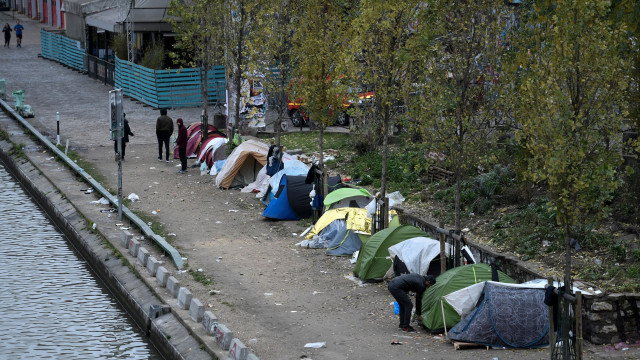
pixel 223 336
pixel 173 285
pixel 143 256
pixel 124 239
pixel 184 298
pixel 601 306
pixel 607 329
pixel 237 350
pixel 209 320
pixel 196 310
pixel 152 265
pixel 134 246
pixel 162 275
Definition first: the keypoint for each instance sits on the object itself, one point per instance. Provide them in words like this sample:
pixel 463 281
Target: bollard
pixel 58 128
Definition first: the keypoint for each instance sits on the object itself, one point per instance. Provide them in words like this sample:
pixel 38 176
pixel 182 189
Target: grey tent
pixel 505 315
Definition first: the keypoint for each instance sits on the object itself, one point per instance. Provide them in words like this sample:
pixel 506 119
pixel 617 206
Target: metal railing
pixel 100 69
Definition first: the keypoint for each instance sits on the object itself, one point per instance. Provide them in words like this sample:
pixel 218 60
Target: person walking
pixel 164 130
pixel 125 138
pixel 7 34
pixel 400 286
pixel 181 144
pixel 18 28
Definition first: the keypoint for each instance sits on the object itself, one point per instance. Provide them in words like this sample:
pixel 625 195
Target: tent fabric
pixel 261 185
pixel 243 164
pixel 345 196
pixel 356 220
pixel 417 253
pixel 507 316
pixel 215 146
pixel 448 282
pixel 373 258
pixel 279 207
pixel 292 197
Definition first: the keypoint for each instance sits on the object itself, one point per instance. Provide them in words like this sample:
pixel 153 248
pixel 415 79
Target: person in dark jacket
pixel 7 34
pixel 400 286
pixel 181 144
pixel 125 138
pixel 164 130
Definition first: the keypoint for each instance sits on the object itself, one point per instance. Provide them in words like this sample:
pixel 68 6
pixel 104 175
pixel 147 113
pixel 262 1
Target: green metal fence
pixel 168 88
pixel 55 46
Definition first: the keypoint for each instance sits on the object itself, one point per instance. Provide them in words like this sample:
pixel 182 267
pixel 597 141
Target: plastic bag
pixel 395 198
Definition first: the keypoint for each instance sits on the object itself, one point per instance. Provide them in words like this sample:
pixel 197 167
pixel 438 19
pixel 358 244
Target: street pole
pixel 57 128
pixel 117 131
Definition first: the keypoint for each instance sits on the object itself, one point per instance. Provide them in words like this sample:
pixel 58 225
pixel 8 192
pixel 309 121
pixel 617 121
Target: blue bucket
pixel 396 308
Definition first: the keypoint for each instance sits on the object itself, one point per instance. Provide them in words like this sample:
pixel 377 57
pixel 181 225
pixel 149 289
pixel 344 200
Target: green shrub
pixel 119 46
pixel 618 252
pixel 153 57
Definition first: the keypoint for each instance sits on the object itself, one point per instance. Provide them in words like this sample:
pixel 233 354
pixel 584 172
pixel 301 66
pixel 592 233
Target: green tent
pixel 346 196
pixel 373 260
pixel 448 282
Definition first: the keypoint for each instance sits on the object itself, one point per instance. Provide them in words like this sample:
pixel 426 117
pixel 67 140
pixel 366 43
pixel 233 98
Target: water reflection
pixel 51 306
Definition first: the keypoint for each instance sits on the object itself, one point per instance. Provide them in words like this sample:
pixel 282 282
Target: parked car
pixel 299 118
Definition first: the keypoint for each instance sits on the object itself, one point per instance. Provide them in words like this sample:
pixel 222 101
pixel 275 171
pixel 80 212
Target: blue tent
pixel 291 201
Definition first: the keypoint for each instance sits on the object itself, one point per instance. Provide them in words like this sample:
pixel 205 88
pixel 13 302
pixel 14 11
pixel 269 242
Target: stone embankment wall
pixel 606 318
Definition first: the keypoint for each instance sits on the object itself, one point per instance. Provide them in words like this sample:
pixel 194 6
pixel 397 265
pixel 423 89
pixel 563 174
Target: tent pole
pixel 444 321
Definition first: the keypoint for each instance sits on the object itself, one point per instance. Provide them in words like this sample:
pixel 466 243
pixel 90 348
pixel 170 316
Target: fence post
pixel 578 312
pixel 552 331
pixel 443 256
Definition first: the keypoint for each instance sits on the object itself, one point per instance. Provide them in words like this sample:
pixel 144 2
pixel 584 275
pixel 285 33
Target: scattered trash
pixel 306 231
pixel 354 257
pixel 316 292
pixel 294 234
pixel 219 258
pixel 149 223
pixel 218 222
pixel 51 158
pixel 234 211
pixel 108 211
pixel 125 228
pixel 154 212
pixel 253 341
pixel 133 197
pixel 545 243
pixel 152 168
pixel 316 345
pixel 278 304
pixel 294 311
pixel 89 191
pixel 466 230
pixel 598 262
pixel 119 224
pixel 171 234
pixel 356 280
pixel 94 226
pixel 268 294
pixel 395 342
pixel 200 270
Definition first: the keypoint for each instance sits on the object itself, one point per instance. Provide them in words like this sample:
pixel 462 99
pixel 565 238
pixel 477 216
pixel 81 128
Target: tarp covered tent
pixel 194 138
pixel 418 253
pixel 243 164
pixel 373 258
pixel 347 197
pixel 448 282
pixel 506 315
pixel 212 150
pixel 291 201
pixel 261 184
pixel 341 231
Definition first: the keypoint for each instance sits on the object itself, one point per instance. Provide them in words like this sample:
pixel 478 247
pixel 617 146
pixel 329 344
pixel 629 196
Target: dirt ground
pixel 274 296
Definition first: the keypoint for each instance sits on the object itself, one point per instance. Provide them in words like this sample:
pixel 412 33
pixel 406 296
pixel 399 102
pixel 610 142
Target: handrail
pixel 175 255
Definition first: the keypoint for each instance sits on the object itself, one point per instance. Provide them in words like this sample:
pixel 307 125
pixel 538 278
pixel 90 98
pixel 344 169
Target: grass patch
pixel 4 135
pixel 85 165
pixel 200 277
pixel 17 150
pixel 308 141
pixel 156 227
pixel 230 305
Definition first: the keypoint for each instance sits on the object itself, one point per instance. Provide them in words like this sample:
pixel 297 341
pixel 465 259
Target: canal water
pixel 51 304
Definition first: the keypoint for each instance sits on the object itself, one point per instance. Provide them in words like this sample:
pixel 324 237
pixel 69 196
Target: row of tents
pixel 474 303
